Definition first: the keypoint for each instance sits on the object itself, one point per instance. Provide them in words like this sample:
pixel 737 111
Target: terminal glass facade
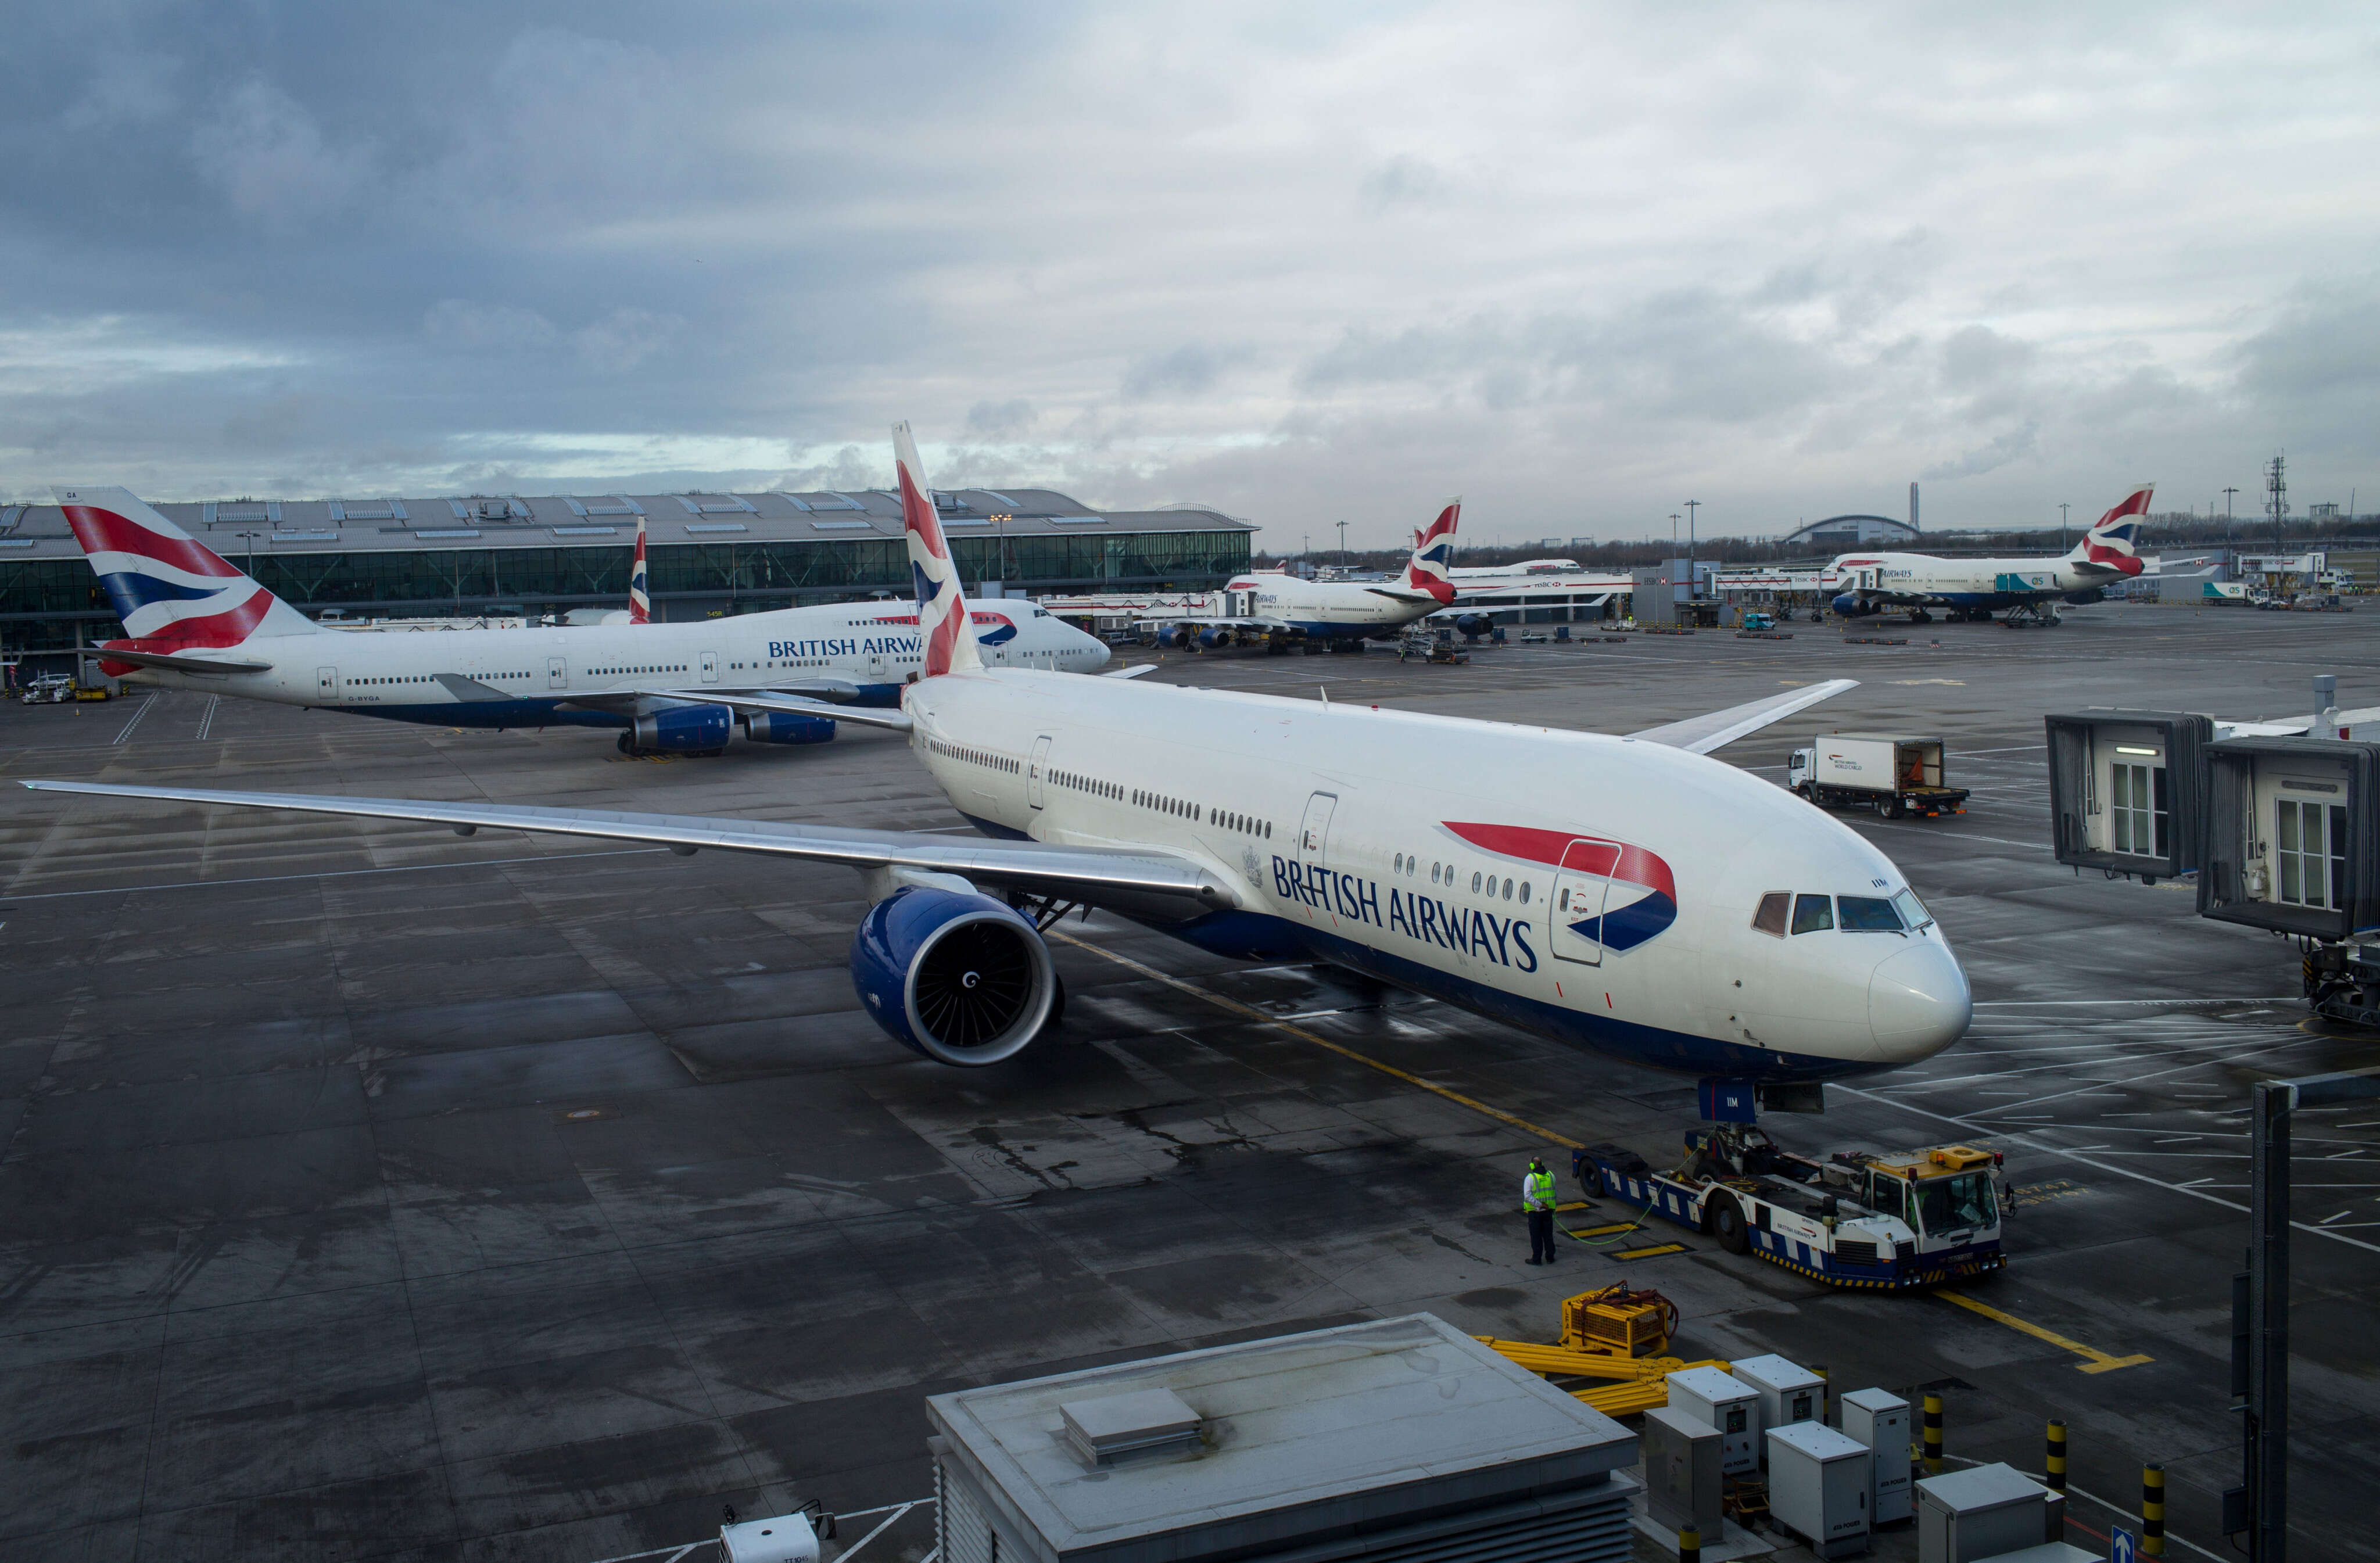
pixel 750 575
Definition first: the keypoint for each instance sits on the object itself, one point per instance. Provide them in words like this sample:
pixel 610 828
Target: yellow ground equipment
pixel 1618 1321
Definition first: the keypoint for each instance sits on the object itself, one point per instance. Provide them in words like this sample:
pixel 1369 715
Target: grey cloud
pixel 1000 421
pixel 624 338
pixel 480 327
pixel 1977 356
pixel 1191 370
pixel 1994 454
pixel 1404 180
pixel 271 159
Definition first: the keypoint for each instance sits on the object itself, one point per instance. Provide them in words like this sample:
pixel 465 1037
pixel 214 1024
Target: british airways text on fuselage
pixel 1474 933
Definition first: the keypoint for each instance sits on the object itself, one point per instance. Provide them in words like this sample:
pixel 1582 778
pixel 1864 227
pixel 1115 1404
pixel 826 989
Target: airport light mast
pixel 2227 507
pixel 2277 485
pixel 1691 581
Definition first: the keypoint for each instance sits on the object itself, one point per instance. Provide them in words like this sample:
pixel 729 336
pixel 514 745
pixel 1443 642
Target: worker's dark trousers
pixel 1541 1236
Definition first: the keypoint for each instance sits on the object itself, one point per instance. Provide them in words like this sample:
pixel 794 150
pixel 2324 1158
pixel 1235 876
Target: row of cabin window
pixel 1082 783
pixel 1780 913
pixel 1482 883
pixel 607 673
pixel 975 756
pixel 1247 824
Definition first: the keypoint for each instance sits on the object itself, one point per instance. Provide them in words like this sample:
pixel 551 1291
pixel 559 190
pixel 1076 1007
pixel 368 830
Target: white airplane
pixel 198 623
pixel 1278 609
pixel 1626 894
pixel 1971 588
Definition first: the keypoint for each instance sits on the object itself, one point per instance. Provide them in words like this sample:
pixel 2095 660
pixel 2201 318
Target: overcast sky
pixel 1578 263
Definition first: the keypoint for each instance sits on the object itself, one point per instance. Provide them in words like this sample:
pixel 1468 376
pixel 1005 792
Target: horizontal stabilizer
pixel 1395 594
pixel 1703 734
pixel 180 662
pixel 2291 727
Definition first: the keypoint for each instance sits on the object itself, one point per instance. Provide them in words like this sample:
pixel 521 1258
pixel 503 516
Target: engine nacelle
pixel 1215 635
pixel 958 976
pixel 1850 605
pixel 2086 597
pixel 682 730
pixel 1473 626
pixel 788 727
pixel 1179 637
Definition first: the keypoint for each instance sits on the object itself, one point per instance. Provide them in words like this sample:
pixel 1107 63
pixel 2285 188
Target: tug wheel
pixel 1727 1225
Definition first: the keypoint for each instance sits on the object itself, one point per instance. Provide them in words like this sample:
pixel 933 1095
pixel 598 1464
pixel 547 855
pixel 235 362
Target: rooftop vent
pixel 715 504
pixel 488 509
pixel 368 510
pixel 1117 1427
pixel 606 504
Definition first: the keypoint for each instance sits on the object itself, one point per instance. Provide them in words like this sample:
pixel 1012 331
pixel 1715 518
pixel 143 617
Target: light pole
pixel 2061 526
pixel 2226 508
pixel 1343 545
pixel 251 552
pixel 1002 521
pixel 1690 506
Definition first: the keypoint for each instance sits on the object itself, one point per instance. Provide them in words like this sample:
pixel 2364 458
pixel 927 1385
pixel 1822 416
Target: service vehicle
pixel 1879 1220
pixel 1892 772
pixel 47 689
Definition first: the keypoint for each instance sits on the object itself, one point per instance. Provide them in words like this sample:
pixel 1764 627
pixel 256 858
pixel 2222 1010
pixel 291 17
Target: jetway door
pixel 1033 768
pixel 1581 887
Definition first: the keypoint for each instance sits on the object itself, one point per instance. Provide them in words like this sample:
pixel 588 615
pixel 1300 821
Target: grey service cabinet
pixel 1966 1516
pixel 1880 1419
pixel 1682 1485
pixel 1821 1487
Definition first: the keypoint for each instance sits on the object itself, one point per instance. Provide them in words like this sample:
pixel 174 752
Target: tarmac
pixel 370 1193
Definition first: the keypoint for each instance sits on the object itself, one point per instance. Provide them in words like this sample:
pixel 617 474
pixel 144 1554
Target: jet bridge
pixel 2292 836
pixel 2125 790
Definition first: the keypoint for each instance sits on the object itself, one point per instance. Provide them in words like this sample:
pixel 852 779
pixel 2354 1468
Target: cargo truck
pixel 1891 774
pixel 1886 1221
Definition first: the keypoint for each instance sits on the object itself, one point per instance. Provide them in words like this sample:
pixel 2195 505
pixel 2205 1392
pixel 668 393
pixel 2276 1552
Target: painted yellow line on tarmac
pixel 1652 1252
pixel 1252 1013
pixel 1603 1231
pixel 2093 1361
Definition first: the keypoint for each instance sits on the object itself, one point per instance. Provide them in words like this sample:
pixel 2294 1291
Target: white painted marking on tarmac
pixel 136 719
pixel 2189 1188
pixel 2098 1086
pixel 336 874
pixel 1943 834
pixel 207 717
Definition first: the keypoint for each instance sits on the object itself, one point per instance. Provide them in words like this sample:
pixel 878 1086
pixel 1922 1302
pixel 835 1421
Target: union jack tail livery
pixel 1434 554
pixel 173 592
pixel 2114 540
pixel 640 601
pixel 941 610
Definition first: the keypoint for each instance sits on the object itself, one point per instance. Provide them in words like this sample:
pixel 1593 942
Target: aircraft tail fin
pixel 944 626
pixel 173 592
pixel 1433 555
pixel 640 599
pixel 2114 540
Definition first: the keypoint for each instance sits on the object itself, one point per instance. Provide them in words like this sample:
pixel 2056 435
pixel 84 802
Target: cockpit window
pixel 1913 911
pixel 1775 907
pixel 1812 914
pixel 1868 914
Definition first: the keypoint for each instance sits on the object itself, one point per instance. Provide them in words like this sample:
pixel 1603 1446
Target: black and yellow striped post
pixel 1933 1435
pixel 2152 1511
pixel 1690 1544
pixel 2055 1466
pixel 1818 1370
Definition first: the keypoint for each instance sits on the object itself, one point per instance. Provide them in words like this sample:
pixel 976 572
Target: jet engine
pixel 1473 626
pixel 1179 637
pixel 788 727
pixel 1215 635
pixel 678 729
pixel 957 975
pixel 1850 605
pixel 2086 597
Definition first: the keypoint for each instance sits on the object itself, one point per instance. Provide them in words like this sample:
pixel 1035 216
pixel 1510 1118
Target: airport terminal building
pixel 708 555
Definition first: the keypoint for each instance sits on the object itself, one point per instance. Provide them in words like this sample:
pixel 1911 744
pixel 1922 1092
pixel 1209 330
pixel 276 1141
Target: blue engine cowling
pixel 682 730
pixel 2085 598
pixel 1214 636
pixel 1474 625
pixel 1852 606
pixel 788 727
pixel 956 975
pixel 1179 637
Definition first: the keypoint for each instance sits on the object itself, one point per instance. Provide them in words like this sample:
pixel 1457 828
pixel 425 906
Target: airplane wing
pixel 1068 872
pixel 178 662
pixel 1134 672
pixel 1703 734
pixel 637 702
pixel 1396 596
pixel 2290 727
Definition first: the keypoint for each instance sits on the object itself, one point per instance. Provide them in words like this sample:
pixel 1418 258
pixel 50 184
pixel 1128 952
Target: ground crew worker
pixel 1537 1199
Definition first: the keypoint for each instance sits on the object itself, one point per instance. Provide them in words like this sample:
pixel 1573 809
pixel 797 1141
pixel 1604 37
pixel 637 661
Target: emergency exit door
pixel 327 681
pixel 1313 836
pixel 710 667
pixel 1033 768
pixel 557 674
pixel 1580 887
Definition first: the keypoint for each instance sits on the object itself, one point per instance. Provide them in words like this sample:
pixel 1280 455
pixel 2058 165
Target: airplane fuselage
pixel 1324 610
pixel 1924 580
pixel 502 678
pixel 1601 891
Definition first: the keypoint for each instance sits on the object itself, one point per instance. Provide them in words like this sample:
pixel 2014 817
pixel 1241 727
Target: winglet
pixel 943 622
pixel 1701 734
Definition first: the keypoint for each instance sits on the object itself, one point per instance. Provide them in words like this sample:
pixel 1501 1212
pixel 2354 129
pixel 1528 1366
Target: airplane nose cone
pixel 1918 1003
pixel 1100 654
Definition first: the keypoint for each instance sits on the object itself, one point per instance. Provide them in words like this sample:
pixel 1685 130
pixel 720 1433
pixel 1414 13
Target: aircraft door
pixel 327 681
pixel 557 672
pixel 710 667
pixel 1033 768
pixel 1313 836
pixel 1580 890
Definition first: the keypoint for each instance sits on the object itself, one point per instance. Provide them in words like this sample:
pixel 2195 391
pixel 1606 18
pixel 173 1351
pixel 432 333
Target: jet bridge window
pixel 1812 914
pixel 1774 908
